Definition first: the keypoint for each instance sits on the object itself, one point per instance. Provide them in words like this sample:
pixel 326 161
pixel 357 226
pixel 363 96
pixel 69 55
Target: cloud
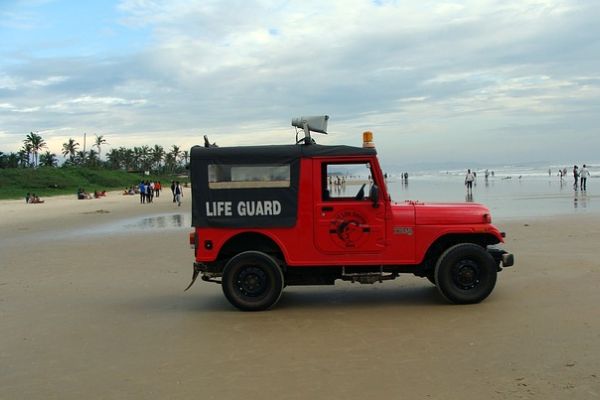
pixel 93 103
pixel 51 80
pixel 417 74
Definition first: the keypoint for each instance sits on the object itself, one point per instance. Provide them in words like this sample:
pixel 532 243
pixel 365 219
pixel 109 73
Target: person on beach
pixel 142 188
pixel 469 178
pixel 178 193
pixel 157 188
pixel 34 199
pixel 584 174
pixel 83 195
pixel 173 190
pixel 149 191
pixel 575 176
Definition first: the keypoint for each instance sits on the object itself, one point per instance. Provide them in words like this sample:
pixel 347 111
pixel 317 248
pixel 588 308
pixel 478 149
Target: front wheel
pixel 252 281
pixel 465 273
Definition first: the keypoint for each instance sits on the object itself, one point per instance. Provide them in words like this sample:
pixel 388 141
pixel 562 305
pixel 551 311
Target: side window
pixel 346 181
pixel 248 176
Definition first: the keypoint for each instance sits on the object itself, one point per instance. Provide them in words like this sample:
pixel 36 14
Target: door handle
pixel 327 208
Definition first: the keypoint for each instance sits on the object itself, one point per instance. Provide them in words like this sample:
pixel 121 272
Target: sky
pixel 479 81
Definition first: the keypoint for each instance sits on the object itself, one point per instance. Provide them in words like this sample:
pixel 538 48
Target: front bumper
pixel 508 260
pixel 502 257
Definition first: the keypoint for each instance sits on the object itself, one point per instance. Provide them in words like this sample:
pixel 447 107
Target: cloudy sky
pixel 466 81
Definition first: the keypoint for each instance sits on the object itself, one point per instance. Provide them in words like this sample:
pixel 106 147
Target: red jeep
pixel 266 217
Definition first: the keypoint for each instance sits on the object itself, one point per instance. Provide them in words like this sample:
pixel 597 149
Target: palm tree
pixel 80 158
pixel 70 149
pixel 12 160
pixel 145 157
pixel 185 155
pixel 99 142
pixel 128 158
pixel 157 154
pixel 175 152
pixel 137 158
pixel 92 158
pixel 114 158
pixel 37 143
pixel 25 155
pixel 48 159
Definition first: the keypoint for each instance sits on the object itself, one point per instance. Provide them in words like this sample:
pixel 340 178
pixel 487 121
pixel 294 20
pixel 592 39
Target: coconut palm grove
pixel 35 153
pixel 36 168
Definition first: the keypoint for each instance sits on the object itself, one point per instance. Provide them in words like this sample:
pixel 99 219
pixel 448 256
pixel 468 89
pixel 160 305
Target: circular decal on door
pixel 349 229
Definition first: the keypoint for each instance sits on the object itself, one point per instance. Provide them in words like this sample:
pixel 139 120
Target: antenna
pixel 207 143
pixel 313 123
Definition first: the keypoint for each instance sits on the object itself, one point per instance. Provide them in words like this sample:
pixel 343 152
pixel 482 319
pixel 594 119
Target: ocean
pixel 514 192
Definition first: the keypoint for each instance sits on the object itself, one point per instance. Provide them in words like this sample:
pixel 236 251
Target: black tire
pixel 252 281
pixel 465 274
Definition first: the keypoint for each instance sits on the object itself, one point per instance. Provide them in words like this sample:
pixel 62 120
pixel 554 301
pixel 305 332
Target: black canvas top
pixel 248 208
pixel 275 153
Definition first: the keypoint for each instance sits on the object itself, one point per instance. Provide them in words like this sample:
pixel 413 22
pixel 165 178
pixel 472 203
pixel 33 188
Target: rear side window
pixel 248 176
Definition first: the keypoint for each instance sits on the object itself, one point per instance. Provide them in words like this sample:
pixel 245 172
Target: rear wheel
pixel 465 273
pixel 252 281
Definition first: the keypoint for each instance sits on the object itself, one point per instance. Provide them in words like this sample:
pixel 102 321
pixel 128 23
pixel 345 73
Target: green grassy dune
pixel 15 183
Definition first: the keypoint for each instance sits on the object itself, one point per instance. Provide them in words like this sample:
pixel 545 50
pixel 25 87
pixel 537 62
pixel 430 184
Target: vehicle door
pixel 348 217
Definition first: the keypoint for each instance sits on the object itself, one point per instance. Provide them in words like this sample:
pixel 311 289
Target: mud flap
pixel 194 276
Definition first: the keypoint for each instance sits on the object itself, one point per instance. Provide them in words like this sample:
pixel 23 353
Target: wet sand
pixel 104 316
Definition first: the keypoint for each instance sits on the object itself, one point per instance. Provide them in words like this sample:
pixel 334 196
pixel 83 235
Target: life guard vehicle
pixel 267 217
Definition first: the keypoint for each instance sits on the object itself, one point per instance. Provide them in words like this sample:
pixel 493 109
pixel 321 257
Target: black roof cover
pixel 206 202
pixel 275 153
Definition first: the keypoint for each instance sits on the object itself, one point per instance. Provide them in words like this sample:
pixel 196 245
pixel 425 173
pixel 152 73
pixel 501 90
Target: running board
pixel 367 277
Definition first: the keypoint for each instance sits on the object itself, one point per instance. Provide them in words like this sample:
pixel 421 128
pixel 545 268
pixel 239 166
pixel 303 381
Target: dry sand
pixel 87 312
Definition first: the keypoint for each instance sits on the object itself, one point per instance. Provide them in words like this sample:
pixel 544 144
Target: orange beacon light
pixel 368 139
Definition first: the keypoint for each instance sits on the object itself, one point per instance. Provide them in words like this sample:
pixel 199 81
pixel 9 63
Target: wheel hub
pixel 466 274
pixel 252 282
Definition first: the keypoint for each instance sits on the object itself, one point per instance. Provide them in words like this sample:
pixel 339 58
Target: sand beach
pixel 92 306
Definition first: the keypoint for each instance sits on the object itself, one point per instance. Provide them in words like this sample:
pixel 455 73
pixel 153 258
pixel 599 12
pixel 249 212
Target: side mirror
pixel 374 195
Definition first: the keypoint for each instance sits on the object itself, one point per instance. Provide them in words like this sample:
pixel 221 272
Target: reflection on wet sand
pixel 146 224
pixel 580 200
pixel 158 222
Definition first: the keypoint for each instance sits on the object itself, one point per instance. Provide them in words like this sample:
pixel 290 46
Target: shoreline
pixel 57 210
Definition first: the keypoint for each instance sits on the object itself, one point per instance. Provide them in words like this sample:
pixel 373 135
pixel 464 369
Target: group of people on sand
pixel 32 198
pixel 148 190
pixel 83 195
pixel 471 178
pixel 580 177
pixel 130 191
